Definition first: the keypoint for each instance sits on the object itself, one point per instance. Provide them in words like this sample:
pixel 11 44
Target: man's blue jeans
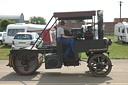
pixel 69 42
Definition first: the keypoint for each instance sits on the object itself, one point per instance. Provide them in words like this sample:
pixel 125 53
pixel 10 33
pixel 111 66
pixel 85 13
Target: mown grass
pixel 4 52
pixel 117 50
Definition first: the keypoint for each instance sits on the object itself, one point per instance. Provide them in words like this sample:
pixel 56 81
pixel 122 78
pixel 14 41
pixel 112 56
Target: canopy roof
pixel 74 15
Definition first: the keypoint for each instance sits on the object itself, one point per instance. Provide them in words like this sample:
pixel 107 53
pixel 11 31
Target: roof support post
pixel 94 26
pixel 42 32
pixel 48 31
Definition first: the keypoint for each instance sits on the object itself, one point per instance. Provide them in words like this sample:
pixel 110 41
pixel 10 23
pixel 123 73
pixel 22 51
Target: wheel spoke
pixel 102 59
pixel 106 64
pixel 94 65
pixel 98 60
pixel 94 62
pixel 96 70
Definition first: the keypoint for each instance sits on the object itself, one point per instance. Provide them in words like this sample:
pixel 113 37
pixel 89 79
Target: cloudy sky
pixel 46 8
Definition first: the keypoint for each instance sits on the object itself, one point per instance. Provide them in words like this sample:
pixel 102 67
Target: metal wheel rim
pixel 100 65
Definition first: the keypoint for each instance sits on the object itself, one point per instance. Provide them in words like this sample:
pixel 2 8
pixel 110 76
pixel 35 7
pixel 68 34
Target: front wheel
pixel 100 65
pixel 27 66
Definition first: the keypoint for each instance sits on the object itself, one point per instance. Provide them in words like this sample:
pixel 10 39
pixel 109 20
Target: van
pixel 13 29
pixel 121 32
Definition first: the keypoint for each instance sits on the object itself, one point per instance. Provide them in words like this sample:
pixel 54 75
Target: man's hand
pixel 73 37
pixel 68 36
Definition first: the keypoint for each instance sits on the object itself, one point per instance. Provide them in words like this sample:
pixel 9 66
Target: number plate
pixel 22 43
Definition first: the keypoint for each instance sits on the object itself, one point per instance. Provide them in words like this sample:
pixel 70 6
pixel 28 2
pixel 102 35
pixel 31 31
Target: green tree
pixel 4 23
pixel 37 20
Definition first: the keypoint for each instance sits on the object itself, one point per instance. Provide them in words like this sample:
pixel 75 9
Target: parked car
pixel 2 37
pixel 13 29
pixel 25 39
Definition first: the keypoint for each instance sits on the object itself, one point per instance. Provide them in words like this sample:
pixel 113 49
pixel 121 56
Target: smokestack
pixel 100 24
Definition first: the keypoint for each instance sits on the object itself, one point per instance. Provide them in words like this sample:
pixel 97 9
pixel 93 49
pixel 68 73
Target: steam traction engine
pixel 27 61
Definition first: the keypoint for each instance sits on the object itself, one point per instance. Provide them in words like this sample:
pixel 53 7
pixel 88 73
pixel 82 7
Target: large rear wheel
pixel 100 65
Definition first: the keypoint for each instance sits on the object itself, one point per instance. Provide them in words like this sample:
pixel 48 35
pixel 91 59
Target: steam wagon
pixel 27 61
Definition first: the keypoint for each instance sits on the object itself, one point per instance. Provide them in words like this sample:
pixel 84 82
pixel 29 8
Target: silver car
pixel 25 39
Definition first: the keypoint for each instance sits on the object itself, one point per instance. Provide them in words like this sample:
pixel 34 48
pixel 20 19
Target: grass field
pixel 117 51
pixel 4 52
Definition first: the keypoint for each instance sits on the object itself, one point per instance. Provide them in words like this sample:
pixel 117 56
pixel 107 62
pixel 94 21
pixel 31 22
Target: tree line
pixel 33 20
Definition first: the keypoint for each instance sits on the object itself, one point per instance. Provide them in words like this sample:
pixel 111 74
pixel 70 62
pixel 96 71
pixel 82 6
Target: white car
pixel 2 37
pixel 25 39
